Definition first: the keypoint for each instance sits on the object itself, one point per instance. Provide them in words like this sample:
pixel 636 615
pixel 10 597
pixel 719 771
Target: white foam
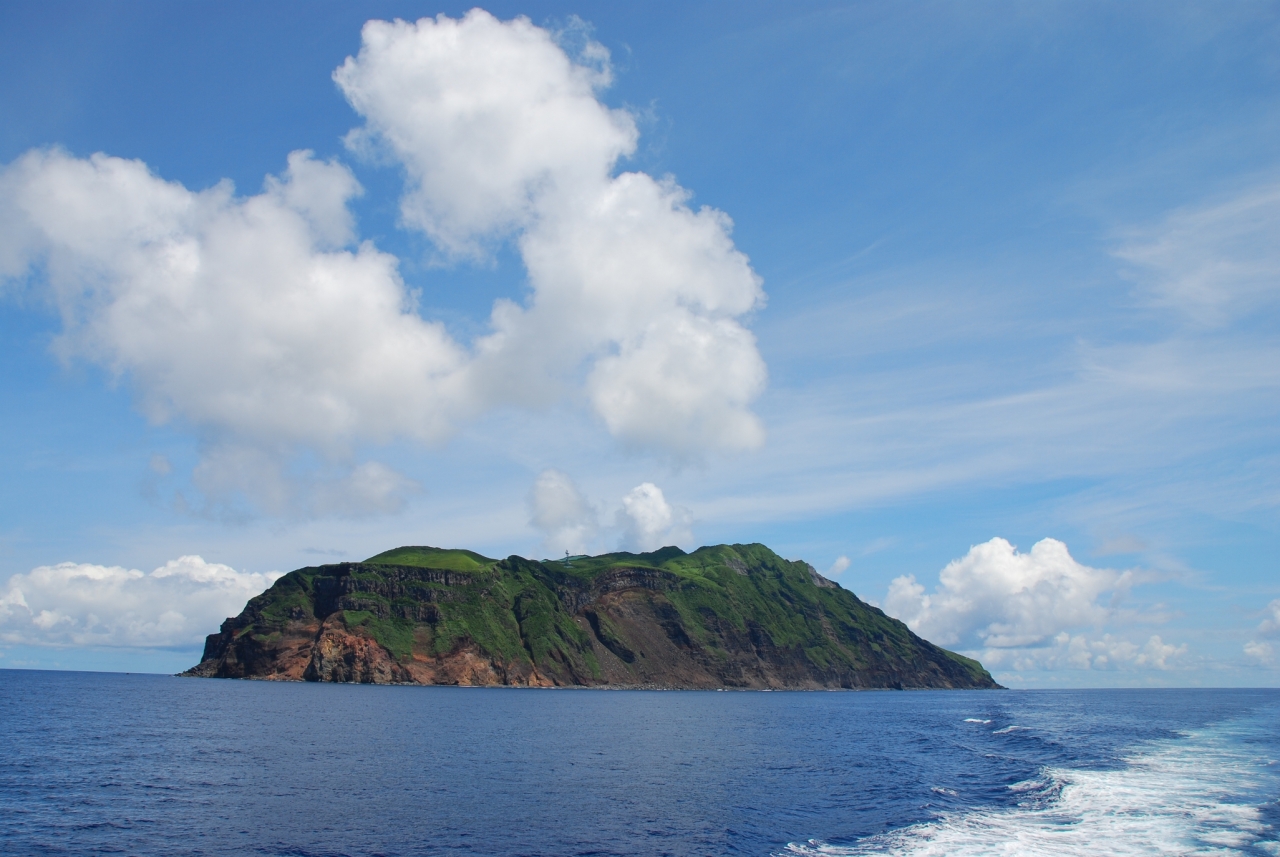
pixel 976 720
pixel 1196 796
pixel 1006 730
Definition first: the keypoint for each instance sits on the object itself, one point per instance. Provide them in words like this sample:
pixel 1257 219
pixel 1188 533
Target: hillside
pixel 726 616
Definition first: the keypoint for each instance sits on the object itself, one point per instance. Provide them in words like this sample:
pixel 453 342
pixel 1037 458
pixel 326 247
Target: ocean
pixel 101 763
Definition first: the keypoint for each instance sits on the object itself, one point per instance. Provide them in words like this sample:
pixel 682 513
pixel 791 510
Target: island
pixel 726 616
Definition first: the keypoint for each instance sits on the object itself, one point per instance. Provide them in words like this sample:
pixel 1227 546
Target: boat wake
pixel 1206 793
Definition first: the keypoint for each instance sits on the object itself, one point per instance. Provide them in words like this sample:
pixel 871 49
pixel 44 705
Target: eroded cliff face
pixel 731 616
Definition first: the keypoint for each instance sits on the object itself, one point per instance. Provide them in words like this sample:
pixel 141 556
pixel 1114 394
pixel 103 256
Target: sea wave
pixel 1198 795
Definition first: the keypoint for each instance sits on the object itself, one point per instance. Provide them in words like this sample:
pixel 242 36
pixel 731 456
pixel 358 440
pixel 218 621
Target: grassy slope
pixel 425 557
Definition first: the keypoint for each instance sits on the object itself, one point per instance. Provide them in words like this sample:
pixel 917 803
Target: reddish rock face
pixel 469 667
pixel 284 658
pixel 342 655
pixel 332 652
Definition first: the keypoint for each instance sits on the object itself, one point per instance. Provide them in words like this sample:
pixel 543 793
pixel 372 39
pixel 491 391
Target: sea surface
pixel 101 763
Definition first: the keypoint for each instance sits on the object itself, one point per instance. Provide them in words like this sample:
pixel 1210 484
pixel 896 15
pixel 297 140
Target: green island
pixel 726 616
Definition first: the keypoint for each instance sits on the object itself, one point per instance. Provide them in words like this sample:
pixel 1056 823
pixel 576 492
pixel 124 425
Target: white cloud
pixel 570 521
pixel 839 567
pixel 238 315
pixel 78 604
pixel 261 324
pixel 1026 611
pixel 1260 651
pixel 649 522
pixel 654 390
pixel 1212 262
pixel 999 597
pixel 564 516
pixel 488 118
pixel 501 132
pixel 1082 652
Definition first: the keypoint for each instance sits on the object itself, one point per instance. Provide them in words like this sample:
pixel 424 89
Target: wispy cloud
pixel 1213 262
pixel 927 381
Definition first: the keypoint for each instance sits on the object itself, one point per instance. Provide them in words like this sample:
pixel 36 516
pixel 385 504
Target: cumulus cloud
pixel 501 132
pixel 487 117
pixel 1026 610
pixel 569 521
pixel 235 314
pixel 839 567
pixel 1002 598
pixel 78 604
pixel 649 522
pixel 263 324
pixel 564 516
pixel 1212 262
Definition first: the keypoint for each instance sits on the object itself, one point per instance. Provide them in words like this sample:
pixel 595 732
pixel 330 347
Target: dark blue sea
pixel 97 763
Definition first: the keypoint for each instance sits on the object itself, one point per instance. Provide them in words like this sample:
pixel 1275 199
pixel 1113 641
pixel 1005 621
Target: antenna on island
pixel 566 557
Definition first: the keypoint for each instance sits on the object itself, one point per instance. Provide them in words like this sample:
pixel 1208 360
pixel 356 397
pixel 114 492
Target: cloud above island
pixel 566 518
pixel 265 326
pixel 649 522
pixel 644 520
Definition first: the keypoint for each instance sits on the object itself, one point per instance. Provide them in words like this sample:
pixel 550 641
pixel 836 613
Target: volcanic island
pixel 726 616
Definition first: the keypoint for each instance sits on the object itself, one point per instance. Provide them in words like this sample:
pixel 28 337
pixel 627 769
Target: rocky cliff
pixel 734 616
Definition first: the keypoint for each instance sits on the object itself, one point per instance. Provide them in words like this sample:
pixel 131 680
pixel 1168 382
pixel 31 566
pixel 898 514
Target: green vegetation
pixel 424 557
pixel 395 635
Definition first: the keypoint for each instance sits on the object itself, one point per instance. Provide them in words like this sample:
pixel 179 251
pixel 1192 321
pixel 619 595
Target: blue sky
pixel 1013 275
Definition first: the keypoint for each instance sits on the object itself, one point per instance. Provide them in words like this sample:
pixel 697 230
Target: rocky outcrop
pixel 342 655
pixel 730 616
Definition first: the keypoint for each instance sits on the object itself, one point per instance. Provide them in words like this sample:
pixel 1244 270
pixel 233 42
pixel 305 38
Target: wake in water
pixel 1202 794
